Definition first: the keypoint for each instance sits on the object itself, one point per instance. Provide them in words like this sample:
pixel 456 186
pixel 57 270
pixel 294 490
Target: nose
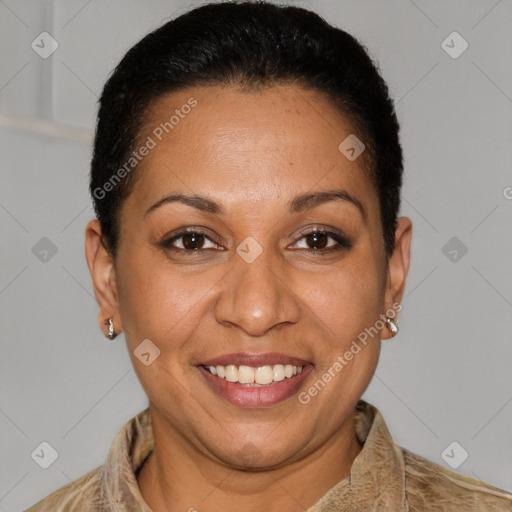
pixel 257 297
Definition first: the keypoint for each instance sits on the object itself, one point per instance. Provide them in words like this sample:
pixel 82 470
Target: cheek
pixel 346 303
pixel 348 299
pixel 156 301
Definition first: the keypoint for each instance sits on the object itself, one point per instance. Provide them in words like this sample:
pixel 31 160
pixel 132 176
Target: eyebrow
pixel 298 204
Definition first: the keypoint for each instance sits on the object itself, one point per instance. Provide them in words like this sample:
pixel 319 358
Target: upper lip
pixel 255 359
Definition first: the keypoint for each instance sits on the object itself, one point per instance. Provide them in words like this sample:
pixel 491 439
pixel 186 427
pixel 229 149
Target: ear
pixel 102 270
pixel 398 264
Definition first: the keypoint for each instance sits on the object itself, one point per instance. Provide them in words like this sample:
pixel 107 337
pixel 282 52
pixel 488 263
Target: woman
pixel 246 178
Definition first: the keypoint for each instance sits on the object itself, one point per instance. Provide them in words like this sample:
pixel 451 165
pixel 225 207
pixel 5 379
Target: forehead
pixel 265 144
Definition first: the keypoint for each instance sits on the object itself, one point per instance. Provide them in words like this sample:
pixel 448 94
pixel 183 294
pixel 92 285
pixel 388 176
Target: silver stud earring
pixel 392 326
pixel 111 331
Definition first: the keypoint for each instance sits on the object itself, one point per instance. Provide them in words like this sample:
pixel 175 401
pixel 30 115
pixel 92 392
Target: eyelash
pixel 342 241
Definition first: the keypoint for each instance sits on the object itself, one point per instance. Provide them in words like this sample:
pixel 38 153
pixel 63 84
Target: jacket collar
pixel 376 480
pixel 377 475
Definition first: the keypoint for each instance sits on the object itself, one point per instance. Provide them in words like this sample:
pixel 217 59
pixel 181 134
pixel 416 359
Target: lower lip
pixel 257 396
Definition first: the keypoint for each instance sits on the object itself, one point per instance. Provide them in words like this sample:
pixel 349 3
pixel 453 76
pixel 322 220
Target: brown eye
pixel 193 241
pixel 189 241
pixel 317 240
pixel 321 241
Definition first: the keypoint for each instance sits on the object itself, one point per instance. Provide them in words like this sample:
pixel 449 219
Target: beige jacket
pixel 384 476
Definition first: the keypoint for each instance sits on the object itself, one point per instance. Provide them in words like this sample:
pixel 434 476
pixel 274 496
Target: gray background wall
pixel 446 377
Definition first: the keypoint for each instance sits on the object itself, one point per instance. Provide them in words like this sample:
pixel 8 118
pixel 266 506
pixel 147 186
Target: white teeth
pixel 245 375
pixel 231 373
pixel 262 375
pixel 279 372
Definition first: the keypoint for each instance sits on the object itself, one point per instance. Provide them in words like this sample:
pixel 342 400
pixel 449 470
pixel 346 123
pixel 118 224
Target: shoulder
pixel 77 496
pixel 430 486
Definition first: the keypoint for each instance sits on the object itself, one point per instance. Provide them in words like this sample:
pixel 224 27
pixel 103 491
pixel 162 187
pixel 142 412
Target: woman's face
pixel 250 176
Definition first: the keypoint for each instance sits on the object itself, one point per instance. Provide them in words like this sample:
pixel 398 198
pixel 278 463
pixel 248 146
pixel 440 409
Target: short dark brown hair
pixel 249 44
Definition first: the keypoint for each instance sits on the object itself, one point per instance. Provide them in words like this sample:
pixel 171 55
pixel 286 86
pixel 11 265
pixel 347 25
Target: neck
pixel 198 482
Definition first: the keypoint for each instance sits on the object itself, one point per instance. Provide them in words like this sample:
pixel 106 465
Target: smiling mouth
pixel 255 380
pixel 250 376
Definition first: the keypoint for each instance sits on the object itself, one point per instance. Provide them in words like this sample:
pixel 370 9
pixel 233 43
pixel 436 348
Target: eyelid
pixel 183 230
pixel 321 229
pixel 328 230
